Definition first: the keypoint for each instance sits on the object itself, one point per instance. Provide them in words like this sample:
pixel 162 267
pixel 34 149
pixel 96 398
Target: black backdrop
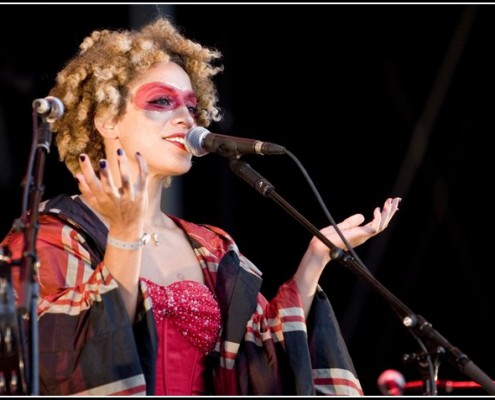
pixel 374 100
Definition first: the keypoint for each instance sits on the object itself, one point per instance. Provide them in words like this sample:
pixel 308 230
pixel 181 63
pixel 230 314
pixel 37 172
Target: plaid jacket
pixel 88 345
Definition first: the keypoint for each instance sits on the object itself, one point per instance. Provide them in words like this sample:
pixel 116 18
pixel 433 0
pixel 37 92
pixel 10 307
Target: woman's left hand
pixel 354 231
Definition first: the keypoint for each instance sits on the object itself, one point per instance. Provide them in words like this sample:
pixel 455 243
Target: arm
pixel 82 318
pixel 317 256
pixel 123 209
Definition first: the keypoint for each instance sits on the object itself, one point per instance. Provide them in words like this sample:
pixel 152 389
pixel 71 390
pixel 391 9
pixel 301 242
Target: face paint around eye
pixel 157 96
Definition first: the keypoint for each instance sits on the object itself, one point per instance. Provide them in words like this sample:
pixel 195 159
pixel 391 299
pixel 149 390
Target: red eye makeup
pixel 157 96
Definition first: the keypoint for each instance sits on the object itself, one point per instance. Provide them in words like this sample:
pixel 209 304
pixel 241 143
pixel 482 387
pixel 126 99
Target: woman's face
pixel 160 110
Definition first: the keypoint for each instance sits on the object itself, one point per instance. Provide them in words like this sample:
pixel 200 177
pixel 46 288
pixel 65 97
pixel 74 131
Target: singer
pixel 137 302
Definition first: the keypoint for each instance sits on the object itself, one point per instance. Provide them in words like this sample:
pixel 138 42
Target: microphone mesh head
pixel 194 141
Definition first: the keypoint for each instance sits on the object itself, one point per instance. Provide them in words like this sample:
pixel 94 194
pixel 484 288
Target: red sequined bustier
pixel 188 321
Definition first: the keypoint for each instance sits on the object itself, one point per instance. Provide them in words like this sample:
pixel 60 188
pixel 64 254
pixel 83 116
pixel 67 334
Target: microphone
pixel 391 383
pixel 200 141
pixel 50 108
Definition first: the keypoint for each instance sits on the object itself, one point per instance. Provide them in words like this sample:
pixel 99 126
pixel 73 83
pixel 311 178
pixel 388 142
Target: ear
pixel 106 127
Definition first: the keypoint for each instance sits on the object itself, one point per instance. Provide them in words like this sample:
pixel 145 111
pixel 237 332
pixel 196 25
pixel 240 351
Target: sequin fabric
pixel 192 309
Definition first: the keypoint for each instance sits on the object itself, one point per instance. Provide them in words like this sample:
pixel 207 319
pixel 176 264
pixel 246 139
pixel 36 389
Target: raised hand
pixel 122 207
pixel 353 230
pixel 317 255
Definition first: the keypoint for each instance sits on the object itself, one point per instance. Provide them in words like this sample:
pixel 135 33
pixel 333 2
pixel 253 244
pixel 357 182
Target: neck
pixel 155 216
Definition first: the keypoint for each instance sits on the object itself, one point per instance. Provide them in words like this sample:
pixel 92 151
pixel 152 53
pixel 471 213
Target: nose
pixel 182 116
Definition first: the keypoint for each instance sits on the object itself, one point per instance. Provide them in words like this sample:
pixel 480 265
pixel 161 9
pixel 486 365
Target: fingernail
pixel 82 157
pixel 120 152
pixel 103 164
pixel 77 179
pixel 138 153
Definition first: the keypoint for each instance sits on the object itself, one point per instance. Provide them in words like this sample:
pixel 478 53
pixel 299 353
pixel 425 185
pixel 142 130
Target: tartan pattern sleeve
pixel 87 344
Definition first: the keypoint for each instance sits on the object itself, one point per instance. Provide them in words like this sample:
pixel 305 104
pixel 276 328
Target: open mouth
pixel 178 140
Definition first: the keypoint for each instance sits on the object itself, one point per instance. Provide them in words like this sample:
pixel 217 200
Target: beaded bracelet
pixel 119 244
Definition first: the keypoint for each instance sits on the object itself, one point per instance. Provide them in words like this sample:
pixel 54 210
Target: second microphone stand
pixel 436 344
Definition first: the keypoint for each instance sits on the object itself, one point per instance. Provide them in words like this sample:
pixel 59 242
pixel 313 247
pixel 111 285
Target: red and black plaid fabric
pixel 88 345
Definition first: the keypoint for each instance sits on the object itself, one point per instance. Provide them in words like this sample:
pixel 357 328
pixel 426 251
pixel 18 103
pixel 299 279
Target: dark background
pixel 374 100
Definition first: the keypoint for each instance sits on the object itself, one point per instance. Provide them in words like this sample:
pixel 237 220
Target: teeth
pixel 176 139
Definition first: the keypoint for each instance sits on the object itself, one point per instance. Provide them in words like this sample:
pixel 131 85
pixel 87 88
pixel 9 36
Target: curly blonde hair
pixel 95 82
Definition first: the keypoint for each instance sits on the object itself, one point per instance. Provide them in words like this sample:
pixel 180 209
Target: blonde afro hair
pixel 95 82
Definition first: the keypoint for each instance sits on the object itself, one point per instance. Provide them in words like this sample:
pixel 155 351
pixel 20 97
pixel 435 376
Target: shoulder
pixel 49 227
pixel 215 242
pixel 204 233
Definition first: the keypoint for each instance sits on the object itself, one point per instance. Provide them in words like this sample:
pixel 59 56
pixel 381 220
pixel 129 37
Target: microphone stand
pixel 418 326
pixel 24 378
pixel 30 259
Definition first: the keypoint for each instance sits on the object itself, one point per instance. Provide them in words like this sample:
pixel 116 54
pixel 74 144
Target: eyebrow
pixel 165 84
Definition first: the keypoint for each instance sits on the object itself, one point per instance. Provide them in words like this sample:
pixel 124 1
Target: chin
pixel 183 168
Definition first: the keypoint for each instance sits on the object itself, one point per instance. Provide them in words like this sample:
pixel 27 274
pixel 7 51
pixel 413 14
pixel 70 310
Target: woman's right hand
pixel 122 207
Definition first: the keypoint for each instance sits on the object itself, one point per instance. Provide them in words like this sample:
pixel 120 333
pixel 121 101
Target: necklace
pixel 158 226
pixel 153 235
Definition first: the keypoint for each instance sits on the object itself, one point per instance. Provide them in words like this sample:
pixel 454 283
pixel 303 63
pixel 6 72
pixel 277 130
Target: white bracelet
pixel 119 244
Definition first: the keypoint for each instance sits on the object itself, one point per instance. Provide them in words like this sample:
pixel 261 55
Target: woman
pixel 134 301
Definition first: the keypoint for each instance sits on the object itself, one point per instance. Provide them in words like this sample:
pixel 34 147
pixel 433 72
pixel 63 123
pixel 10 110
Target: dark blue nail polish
pixel 103 164
pixel 138 153
pixel 120 152
pixel 82 157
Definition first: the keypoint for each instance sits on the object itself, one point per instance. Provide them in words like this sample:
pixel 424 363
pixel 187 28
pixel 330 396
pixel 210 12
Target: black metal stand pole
pixel 415 323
